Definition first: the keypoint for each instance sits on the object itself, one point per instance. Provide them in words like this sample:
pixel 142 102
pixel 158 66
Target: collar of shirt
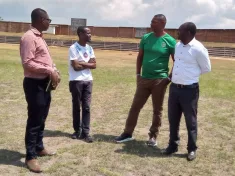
pixel 35 31
pixel 191 43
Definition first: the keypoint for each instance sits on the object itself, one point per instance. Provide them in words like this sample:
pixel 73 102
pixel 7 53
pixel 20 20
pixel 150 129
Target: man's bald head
pixel 161 17
pixel 37 14
pixel 190 27
pixel 158 23
pixel 40 19
pixel 187 32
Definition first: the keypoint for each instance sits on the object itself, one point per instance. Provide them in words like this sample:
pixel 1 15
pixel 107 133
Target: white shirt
pixel 80 53
pixel 191 61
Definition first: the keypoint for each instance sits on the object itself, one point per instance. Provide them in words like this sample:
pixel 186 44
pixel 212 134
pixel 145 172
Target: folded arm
pixel 81 65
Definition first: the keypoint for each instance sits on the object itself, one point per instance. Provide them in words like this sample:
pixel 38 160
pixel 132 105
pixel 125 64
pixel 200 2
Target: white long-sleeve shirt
pixel 191 61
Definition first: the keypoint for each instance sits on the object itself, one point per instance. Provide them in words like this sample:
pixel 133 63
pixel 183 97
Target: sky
pixel 206 14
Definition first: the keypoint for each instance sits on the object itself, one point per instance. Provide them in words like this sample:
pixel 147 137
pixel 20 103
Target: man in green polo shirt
pixel 153 58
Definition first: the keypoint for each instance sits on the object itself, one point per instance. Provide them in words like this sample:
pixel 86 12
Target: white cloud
pixel 205 13
pixel 225 23
pixel 120 10
pixel 195 18
pixel 208 5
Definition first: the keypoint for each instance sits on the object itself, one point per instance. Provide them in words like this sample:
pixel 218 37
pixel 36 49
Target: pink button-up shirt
pixel 35 56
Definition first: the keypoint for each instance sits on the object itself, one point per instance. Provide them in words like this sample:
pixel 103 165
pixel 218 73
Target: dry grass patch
pixel 113 91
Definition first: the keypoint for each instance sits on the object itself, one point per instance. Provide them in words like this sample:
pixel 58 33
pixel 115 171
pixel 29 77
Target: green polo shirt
pixel 157 51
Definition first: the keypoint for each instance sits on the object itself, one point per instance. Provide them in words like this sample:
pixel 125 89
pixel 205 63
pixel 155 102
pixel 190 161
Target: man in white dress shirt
pixel 191 60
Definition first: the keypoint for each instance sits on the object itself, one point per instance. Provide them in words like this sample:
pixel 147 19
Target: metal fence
pixel 118 46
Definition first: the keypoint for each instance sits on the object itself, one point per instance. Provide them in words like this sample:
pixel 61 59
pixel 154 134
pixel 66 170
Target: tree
pixel 1 19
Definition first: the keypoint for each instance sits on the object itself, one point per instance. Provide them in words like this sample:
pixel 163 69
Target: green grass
pixel 113 91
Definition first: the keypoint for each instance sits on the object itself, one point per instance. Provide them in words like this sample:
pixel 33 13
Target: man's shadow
pixel 139 148
pixel 8 157
pixel 57 133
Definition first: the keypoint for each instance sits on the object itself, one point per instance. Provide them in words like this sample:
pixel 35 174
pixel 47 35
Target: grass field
pixel 112 39
pixel 114 87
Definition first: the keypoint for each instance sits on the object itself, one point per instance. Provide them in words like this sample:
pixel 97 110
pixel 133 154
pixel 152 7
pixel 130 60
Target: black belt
pixel 194 85
pixel 43 80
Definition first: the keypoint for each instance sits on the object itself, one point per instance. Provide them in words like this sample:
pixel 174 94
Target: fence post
pixel 118 32
pixel 104 44
pixel 5 39
pixel 133 32
pixel 120 46
pixel 224 51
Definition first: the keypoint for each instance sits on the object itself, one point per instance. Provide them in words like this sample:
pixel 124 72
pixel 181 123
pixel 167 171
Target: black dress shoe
pixel 75 135
pixel 86 137
pixel 191 156
pixel 169 150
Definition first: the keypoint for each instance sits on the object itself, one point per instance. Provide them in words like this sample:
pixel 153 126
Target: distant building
pixel 51 29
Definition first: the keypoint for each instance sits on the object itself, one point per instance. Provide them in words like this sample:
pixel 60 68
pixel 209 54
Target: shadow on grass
pixel 104 138
pixel 50 133
pixel 140 149
pixel 135 147
pixel 8 157
pixel 179 155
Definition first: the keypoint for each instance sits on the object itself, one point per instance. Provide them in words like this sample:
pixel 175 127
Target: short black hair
pixel 36 14
pixel 161 16
pixel 191 27
pixel 81 29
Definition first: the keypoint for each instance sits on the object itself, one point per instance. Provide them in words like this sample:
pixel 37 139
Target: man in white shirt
pixel 81 61
pixel 191 60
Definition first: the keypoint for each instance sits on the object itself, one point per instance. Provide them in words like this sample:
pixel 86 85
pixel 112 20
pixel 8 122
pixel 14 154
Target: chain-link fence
pixel 228 52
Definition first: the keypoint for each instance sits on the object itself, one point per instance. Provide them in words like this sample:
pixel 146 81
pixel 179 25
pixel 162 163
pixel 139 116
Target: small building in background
pixel 51 29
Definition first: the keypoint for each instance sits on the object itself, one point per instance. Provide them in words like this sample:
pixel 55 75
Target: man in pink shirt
pixel 38 71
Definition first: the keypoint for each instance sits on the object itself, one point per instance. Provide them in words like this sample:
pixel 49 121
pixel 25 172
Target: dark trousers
pixel 81 96
pixel 183 100
pixel 38 107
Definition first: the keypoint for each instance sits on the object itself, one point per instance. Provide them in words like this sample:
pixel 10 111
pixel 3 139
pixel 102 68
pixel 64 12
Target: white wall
pixel 51 30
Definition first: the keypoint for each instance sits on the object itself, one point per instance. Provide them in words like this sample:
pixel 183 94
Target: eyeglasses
pixel 49 20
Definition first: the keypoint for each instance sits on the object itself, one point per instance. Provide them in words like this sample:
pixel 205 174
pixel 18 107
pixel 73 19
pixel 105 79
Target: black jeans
pixel 38 107
pixel 81 96
pixel 183 100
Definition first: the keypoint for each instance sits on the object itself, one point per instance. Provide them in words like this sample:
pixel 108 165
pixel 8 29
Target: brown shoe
pixel 45 152
pixel 33 165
